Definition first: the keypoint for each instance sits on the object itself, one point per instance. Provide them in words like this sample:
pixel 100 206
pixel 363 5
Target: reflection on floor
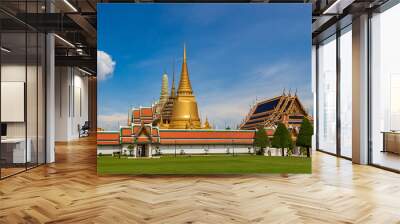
pixel 70 191
pixel 11 169
pixel 387 159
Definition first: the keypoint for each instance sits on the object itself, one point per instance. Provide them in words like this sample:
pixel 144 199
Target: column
pixel 360 90
pixel 50 98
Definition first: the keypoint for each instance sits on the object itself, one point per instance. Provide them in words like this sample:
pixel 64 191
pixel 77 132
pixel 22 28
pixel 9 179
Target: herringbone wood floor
pixel 70 191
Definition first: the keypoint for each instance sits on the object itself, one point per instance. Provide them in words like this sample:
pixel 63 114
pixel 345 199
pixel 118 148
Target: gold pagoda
pixel 169 105
pixel 185 114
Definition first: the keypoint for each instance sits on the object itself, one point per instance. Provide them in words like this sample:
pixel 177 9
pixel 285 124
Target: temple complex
pixel 172 124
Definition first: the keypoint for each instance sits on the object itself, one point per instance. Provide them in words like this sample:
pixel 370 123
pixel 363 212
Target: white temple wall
pixel 108 149
pixel 202 149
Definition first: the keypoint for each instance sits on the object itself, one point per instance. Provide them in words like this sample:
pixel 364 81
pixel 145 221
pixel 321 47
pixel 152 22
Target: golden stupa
pixel 185 114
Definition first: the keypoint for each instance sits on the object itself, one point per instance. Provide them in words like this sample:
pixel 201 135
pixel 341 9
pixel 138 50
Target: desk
pixel 13 150
pixel 391 142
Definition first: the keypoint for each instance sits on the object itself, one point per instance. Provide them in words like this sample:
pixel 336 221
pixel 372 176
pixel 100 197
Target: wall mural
pixel 204 89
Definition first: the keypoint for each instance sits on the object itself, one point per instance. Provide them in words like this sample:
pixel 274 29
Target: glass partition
pixel 22 77
pixel 13 105
pixel 385 89
pixel 31 98
pixel 346 92
pixel 327 95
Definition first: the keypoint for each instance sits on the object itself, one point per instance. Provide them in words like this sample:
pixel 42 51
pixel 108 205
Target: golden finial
pixel 184 52
pixel 185 88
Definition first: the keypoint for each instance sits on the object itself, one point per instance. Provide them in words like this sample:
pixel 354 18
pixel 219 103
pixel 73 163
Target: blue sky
pixel 237 53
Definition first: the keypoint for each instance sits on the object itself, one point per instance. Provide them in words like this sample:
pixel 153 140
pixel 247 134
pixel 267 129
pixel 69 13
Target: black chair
pixel 84 130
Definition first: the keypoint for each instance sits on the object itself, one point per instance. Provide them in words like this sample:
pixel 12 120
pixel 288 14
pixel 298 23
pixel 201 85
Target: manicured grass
pixel 211 164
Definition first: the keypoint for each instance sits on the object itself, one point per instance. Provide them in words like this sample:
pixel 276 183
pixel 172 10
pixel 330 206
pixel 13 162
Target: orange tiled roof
pixel 136 114
pixel 146 112
pixel 136 129
pixel 126 132
pixel 165 134
pixel 180 137
pixel 154 132
pixel 127 140
pixel 107 136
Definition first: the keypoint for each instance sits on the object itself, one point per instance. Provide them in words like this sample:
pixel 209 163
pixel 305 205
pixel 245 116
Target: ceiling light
pixel 70 5
pixel 84 71
pixel 337 7
pixel 5 50
pixel 64 40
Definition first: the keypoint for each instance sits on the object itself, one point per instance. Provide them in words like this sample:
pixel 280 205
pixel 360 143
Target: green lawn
pixel 211 164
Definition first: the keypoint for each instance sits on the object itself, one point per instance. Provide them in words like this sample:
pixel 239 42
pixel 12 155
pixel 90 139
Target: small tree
pixel 130 149
pixel 281 138
pixel 261 140
pixel 305 135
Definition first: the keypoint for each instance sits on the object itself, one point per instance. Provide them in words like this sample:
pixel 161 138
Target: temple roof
pixel 267 105
pixel 284 108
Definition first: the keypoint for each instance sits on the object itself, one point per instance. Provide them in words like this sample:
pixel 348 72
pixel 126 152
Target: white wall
pixel 12 73
pixel 71 102
pixel 33 127
pixel 201 149
pixel 108 149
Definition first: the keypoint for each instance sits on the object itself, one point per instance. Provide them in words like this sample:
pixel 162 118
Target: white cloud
pixel 111 122
pixel 105 65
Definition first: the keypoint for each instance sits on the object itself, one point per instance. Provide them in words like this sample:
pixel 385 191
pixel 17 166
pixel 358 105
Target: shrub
pixel 261 140
pixel 304 139
pixel 282 138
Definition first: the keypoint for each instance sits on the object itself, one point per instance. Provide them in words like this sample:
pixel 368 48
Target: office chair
pixel 84 130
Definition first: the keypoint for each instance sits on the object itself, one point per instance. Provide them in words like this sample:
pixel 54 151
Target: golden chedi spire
pixel 185 88
pixel 164 89
pixel 185 109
